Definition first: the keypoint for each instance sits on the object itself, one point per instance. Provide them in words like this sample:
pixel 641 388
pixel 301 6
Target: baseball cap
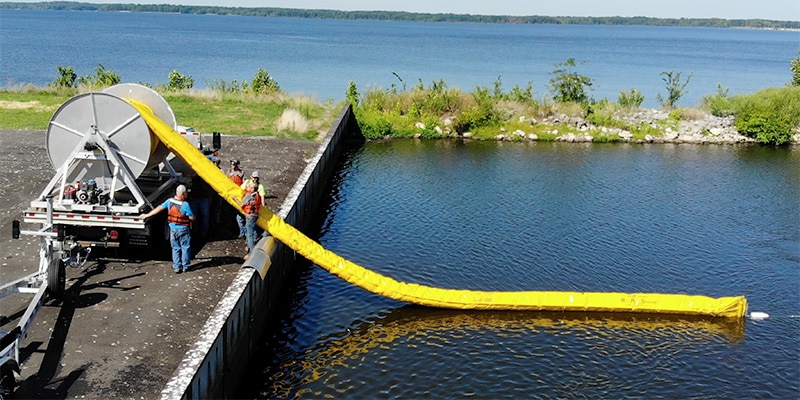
pixel 180 189
pixel 254 174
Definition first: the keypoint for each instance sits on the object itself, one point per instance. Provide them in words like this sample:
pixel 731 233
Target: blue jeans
pixel 180 239
pixel 250 231
pixel 240 222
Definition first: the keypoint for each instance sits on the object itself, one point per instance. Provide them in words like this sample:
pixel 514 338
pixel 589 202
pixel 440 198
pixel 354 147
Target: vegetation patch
pixel 435 111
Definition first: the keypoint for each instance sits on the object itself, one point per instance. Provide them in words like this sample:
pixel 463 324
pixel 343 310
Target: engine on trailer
pixel 86 193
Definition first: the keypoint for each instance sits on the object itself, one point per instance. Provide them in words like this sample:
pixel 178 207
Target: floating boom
pixel 731 307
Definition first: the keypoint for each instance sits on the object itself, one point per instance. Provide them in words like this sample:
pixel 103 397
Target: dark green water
pixel 710 220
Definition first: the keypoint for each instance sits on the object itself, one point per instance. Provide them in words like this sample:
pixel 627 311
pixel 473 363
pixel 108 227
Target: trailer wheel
pixel 7 382
pixel 56 278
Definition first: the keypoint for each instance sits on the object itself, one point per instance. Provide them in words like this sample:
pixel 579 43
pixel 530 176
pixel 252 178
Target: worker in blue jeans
pixel 251 203
pixel 180 218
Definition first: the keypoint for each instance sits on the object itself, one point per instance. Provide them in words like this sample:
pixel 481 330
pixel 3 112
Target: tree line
pixel 405 16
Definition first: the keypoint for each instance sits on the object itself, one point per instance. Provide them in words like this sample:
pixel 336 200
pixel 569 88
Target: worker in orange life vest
pixel 251 203
pixel 180 217
pixel 236 173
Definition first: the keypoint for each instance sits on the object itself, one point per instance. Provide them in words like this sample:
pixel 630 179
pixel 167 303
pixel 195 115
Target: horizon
pixel 776 10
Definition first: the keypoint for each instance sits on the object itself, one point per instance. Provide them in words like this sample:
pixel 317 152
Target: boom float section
pixel 730 307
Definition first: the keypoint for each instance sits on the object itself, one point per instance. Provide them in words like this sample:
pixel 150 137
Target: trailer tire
pixel 7 382
pixel 56 278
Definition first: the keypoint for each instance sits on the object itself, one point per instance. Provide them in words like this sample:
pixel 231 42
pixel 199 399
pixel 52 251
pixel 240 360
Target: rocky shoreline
pixel 702 129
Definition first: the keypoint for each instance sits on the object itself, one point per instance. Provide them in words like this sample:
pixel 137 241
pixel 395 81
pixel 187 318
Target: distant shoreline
pixel 409 16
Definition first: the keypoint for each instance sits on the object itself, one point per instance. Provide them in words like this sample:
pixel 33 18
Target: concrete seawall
pixel 213 367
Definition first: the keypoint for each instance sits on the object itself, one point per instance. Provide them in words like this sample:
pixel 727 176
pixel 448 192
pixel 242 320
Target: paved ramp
pixel 733 307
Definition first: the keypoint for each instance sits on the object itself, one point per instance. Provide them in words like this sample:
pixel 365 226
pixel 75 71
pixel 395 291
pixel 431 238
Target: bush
pixel 770 116
pixel 352 94
pixel 66 78
pixel 178 81
pixel 102 78
pixel 631 99
pixel 568 86
pixel 264 83
pixel 373 124
pixel 675 88
pixel 795 67
pixel 718 104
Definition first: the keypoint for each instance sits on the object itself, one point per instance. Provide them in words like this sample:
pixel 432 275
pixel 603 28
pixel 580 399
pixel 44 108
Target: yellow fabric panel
pixel 734 307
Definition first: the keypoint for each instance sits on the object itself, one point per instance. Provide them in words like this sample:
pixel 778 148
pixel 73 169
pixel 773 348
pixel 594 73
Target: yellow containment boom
pixel 734 307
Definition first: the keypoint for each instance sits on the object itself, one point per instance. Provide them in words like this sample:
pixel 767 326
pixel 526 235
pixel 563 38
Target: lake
pixel 320 57
pixel 693 219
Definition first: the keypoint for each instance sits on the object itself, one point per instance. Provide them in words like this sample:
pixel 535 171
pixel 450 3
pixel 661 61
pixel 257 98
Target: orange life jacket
pixel 237 177
pixel 251 203
pixel 175 215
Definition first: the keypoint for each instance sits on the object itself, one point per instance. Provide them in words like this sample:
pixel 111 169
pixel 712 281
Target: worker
pixel 254 177
pixel 251 203
pixel 236 173
pixel 180 217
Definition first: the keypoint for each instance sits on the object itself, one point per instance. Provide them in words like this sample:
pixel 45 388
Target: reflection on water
pixel 438 328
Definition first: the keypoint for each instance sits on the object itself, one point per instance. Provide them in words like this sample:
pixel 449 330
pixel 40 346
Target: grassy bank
pixel 770 116
pixel 30 108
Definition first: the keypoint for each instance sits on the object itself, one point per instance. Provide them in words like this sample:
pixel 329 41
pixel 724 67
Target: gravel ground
pixel 124 325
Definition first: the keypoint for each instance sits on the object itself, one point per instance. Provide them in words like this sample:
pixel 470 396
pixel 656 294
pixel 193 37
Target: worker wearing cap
pixel 180 217
pixel 251 204
pixel 236 173
pixel 254 178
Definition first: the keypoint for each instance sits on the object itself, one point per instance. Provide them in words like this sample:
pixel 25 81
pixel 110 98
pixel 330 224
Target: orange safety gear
pixel 237 177
pixel 251 203
pixel 175 215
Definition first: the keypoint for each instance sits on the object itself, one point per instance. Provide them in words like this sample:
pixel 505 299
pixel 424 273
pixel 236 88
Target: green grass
pixel 229 113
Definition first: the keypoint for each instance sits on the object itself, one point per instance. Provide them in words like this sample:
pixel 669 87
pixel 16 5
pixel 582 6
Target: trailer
pixel 110 168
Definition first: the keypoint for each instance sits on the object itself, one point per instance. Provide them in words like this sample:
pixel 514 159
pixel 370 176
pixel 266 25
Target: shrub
pixel 352 94
pixel 102 78
pixel 718 104
pixel 770 116
pixel 675 88
pixel 630 99
pixel 66 77
pixel 178 81
pixel 373 124
pixel 482 113
pixel 264 83
pixel 569 86
pixel 795 67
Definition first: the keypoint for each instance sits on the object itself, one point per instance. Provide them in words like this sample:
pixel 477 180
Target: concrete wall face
pixel 215 364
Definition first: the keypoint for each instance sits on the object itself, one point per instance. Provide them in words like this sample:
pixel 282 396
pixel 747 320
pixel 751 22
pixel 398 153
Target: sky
pixel 783 10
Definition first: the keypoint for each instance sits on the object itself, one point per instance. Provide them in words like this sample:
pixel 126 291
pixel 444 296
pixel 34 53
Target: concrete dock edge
pixel 215 364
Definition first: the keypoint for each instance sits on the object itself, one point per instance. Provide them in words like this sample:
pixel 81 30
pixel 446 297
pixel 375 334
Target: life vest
pixel 237 177
pixel 175 215
pixel 251 203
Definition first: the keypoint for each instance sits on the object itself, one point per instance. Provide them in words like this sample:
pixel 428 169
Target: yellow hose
pixel 734 307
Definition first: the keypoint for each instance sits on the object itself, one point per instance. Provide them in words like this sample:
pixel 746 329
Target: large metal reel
pixel 108 115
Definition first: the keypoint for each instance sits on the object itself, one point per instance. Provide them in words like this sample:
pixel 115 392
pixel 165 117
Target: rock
pixel 625 135
pixel 533 136
pixel 419 125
